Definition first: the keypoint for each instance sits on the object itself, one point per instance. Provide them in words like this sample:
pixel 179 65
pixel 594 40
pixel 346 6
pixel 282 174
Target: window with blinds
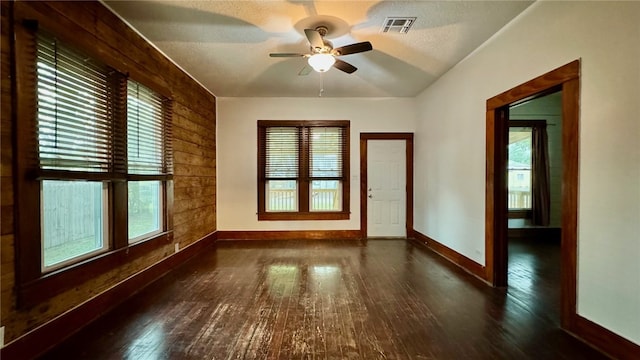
pixel 74 130
pixel 303 169
pixel 73 116
pixel 326 154
pixel 282 153
pixel 93 124
pixel 147 150
pixel 282 162
pixel 145 130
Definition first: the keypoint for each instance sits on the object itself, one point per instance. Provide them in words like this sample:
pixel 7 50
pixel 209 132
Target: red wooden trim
pixel 46 336
pixel 387 136
pixel 303 171
pixel 307 123
pixel 293 216
pixel 346 184
pixel 490 188
pixel 288 235
pixel 26 193
pixel 527 123
pixel 500 217
pixel 519 214
pixel 363 186
pixel 604 340
pixel 532 87
pixel 409 180
pixel 455 257
pixel 569 221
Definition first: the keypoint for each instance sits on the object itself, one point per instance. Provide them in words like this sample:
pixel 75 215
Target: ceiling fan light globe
pixel 321 62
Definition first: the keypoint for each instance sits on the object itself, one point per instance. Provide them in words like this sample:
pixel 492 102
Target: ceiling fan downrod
pixel 322 30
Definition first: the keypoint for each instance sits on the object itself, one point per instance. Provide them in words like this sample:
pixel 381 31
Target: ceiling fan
pixel 323 56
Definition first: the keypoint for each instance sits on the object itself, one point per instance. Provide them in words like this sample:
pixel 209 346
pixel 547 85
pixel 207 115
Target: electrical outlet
pixel 177 247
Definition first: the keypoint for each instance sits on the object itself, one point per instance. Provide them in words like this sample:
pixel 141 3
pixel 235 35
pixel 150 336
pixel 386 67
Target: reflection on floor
pixel 534 277
pixel 376 299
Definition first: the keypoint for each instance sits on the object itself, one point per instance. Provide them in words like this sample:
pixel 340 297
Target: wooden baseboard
pixel 604 340
pixel 540 234
pixel 593 334
pixel 46 336
pixel 455 257
pixel 289 235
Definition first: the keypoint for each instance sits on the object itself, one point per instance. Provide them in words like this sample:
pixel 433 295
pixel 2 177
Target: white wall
pixel 237 150
pixel 450 144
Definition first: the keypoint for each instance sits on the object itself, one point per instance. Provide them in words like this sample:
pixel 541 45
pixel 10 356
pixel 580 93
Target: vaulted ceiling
pixel 225 45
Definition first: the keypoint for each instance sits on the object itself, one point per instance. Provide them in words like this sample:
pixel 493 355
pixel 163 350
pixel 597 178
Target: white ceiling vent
pixel 397 24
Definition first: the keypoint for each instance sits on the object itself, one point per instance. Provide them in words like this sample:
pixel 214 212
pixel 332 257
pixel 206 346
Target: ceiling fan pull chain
pixel 321 85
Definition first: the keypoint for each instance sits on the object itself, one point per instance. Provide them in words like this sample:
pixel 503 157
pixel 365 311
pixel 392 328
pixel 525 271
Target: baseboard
pixel 455 257
pixel 46 336
pixel 604 340
pixel 539 234
pixel 289 235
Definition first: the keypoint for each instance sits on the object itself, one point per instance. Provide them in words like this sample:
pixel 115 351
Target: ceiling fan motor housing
pixel 328 45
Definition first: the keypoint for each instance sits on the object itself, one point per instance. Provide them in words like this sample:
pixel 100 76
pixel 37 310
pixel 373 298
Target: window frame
pixel 523 213
pixel 304 180
pixel 35 284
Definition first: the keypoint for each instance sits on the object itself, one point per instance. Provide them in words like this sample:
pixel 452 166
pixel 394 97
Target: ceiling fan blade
pixel 352 49
pixel 306 70
pixel 286 55
pixel 315 39
pixel 344 66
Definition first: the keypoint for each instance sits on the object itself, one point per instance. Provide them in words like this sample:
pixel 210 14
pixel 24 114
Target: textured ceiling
pixel 225 45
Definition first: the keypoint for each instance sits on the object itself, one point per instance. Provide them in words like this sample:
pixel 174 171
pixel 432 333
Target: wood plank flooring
pixel 375 299
pixel 534 276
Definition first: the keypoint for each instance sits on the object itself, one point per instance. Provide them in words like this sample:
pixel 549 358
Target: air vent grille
pixel 399 25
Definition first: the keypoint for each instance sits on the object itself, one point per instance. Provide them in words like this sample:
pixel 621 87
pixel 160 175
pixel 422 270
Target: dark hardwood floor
pixel 534 276
pixel 376 299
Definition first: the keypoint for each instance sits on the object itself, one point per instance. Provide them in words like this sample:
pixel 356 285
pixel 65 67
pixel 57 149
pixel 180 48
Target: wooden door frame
pixel 567 79
pixel 408 138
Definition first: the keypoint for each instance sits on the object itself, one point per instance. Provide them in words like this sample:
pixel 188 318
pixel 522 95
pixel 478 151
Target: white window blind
pixel 73 123
pixel 146 131
pixel 326 152
pixel 282 152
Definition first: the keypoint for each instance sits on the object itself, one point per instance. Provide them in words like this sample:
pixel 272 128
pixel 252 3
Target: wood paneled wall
pixel 194 125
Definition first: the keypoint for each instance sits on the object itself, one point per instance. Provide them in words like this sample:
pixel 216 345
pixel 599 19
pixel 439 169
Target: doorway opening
pixel 534 171
pixel 567 80
pixel 365 194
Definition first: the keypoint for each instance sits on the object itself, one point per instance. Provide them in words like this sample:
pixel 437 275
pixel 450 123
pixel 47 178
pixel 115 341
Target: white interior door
pixel 386 188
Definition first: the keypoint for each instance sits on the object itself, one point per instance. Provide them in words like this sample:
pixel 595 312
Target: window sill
pixel 58 281
pixel 295 216
pixel 519 214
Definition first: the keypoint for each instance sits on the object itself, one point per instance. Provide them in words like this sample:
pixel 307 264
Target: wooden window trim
pixel 53 283
pixel 519 214
pixel 528 123
pixel 539 124
pixel 32 284
pixel 303 188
